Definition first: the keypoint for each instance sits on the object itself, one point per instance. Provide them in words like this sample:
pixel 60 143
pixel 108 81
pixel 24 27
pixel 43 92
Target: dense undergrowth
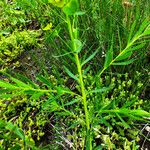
pixel 74 74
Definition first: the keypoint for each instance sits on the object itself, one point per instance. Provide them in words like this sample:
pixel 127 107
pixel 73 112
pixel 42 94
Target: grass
pixel 84 88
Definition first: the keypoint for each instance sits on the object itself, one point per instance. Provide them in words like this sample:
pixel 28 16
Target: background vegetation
pixel 74 74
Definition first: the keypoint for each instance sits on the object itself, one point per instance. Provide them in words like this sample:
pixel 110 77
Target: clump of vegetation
pixel 12 46
pixel 84 94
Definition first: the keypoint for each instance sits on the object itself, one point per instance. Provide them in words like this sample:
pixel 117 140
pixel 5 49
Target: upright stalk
pixel 81 83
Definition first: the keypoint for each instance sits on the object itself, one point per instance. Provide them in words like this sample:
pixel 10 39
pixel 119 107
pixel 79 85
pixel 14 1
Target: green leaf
pixel 80 13
pixel 136 47
pixel 66 113
pixel 6 96
pixel 36 95
pixel 89 58
pixel 45 81
pixel 45 1
pixel 75 124
pixel 86 69
pixel 57 56
pixel 147 31
pixel 70 74
pixel 125 124
pixel 26 80
pixel 100 147
pixel 105 122
pixel 3 91
pixel 28 92
pixel 34 4
pixel 75 33
pixel 123 56
pixel 136 114
pixel 20 83
pixel 58 3
pixel 51 106
pixel 139 112
pixel 15 129
pixel 72 102
pixel 2 124
pixel 78 45
pixel 131 31
pixel 144 24
pixel 7 85
pixel 63 90
pixel 88 140
pixel 71 8
pixel 109 56
pixel 124 63
pixel 104 89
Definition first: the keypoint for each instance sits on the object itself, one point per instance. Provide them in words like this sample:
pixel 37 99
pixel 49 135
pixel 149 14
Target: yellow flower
pixel 58 3
pixel 48 27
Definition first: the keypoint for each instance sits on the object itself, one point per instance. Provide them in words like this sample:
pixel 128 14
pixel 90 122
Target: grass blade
pixel 104 89
pixel 70 74
pixel 44 80
pixel 89 58
pixel 131 31
pixel 7 85
pixel 109 56
pixel 123 56
pixel 72 102
pixel 124 63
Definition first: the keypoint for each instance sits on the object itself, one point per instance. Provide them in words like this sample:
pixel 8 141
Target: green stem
pixel 121 53
pixel 81 83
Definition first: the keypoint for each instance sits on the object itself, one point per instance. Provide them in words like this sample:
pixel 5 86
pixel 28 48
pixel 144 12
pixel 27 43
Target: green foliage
pixel 12 46
pixel 71 7
pixel 13 137
pixel 75 92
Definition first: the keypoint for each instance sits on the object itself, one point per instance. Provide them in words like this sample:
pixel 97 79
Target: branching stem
pixel 81 83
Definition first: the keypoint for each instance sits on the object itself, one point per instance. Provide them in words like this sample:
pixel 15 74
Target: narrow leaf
pixel 3 91
pixel 6 96
pixel 105 122
pixel 136 47
pixel 44 80
pixel 123 56
pixel 78 45
pixel 89 58
pixel 63 90
pixel 139 112
pixel 104 89
pixel 125 124
pixel 7 85
pixel 144 24
pixel 72 102
pixel 36 95
pixel 80 13
pixel 20 83
pixel 26 80
pixel 109 56
pixel 124 63
pixel 131 31
pixel 15 129
pixel 147 31
pixel 70 73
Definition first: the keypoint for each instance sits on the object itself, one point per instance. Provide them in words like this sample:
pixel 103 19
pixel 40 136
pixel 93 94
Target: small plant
pixel 15 44
pixel 93 103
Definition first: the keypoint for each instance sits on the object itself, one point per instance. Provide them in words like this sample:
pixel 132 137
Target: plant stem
pixel 81 83
pixel 82 91
pixel 121 53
